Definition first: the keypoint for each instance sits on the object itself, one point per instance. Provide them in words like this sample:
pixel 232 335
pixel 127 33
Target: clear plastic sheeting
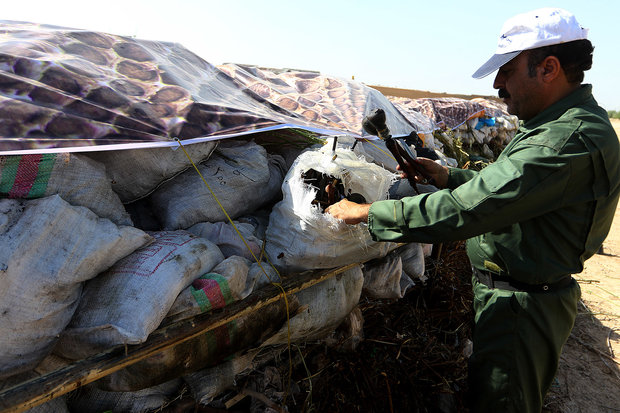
pixel 447 113
pixel 423 124
pixel 67 90
pixel 327 102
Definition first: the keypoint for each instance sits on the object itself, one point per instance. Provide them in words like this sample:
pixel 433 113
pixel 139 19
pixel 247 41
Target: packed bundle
pixel 483 130
pixel 300 236
pixel 324 306
pixel 49 249
pixel 129 301
pixel 228 240
pixel 90 399
pixel 77 179
pixel 223 285
pixel 242 176
pixel 135 173
pixel 482 127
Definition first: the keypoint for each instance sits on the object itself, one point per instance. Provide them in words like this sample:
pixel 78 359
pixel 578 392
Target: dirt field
pixel 589 377
pixel 418 94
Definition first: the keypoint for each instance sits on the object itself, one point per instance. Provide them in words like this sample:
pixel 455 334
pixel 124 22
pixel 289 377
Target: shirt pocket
pixel 497 178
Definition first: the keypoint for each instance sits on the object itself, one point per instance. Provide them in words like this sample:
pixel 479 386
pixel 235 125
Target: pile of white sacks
pixel 120 243
pixel 482 130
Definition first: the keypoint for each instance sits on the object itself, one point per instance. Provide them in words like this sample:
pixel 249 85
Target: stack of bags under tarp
pixel 102 248
pixel 108 235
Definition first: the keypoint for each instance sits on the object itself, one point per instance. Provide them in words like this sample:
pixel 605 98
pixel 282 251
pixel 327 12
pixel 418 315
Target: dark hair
pixel 575 58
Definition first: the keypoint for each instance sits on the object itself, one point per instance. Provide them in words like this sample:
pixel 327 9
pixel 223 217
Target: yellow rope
pixel 388 154
pixel 277 284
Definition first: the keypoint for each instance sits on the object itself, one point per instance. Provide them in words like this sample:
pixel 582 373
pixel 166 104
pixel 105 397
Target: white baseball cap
pixel 537 28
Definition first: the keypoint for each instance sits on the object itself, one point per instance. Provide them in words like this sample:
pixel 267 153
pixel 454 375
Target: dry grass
pixel 411 359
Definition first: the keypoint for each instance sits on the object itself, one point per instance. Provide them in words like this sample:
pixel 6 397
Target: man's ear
pixel 550 68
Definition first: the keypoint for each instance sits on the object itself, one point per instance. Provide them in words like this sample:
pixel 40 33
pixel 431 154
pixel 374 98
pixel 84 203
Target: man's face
pixel 519 91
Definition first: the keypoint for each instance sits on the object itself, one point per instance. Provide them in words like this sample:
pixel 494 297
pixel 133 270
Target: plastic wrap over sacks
pixel 241 175
pixel 301 237
pixel 126 303
pixel 49 248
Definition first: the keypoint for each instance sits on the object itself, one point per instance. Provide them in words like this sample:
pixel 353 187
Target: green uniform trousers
pixel 518 337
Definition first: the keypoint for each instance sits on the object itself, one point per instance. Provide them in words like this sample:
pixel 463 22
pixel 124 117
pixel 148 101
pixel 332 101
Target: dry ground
pixel 418 94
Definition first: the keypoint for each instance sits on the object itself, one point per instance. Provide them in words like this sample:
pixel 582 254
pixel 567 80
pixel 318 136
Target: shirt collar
pixel 575 98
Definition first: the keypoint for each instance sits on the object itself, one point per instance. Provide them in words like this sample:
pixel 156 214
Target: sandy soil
pixel 418 94
pixel 588 380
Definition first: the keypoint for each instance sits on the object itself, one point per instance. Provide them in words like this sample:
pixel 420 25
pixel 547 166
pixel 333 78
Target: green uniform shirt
pixel 538 212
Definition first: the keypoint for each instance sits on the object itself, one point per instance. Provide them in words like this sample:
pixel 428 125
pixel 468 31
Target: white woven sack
pixel 301 237
pixel 135 173
pixel 382 277
pixel 57 405
pixel 374 151
pixel 129 301
pixel 242 177
pixel 78 180
pixel 325 306
pixel 259 276
pixel 412 256
pixel 223 235
pixel 234 270
pixel 90 399
pixel 209 383
pixel 49 248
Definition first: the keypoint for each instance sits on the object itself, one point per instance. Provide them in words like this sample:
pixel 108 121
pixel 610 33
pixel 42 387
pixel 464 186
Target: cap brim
pixel 495 62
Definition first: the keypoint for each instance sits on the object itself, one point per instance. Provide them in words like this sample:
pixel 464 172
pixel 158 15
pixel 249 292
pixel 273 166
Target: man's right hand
pixel 430 168
pixel 350 212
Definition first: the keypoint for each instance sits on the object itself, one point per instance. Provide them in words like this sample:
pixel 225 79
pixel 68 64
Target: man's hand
pixel 430 168
pixel 348 211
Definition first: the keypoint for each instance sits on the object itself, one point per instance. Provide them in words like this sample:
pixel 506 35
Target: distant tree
pixel 613 114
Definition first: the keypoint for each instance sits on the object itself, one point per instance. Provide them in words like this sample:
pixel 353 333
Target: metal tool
pixel 375 124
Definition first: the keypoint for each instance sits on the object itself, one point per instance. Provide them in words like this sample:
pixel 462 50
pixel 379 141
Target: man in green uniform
pixel 531 218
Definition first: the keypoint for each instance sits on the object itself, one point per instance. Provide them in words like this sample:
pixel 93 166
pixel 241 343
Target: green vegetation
pixel 467 157
pixel 613 114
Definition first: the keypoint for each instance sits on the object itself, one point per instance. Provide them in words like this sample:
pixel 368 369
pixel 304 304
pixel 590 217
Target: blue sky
pixel 427 45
